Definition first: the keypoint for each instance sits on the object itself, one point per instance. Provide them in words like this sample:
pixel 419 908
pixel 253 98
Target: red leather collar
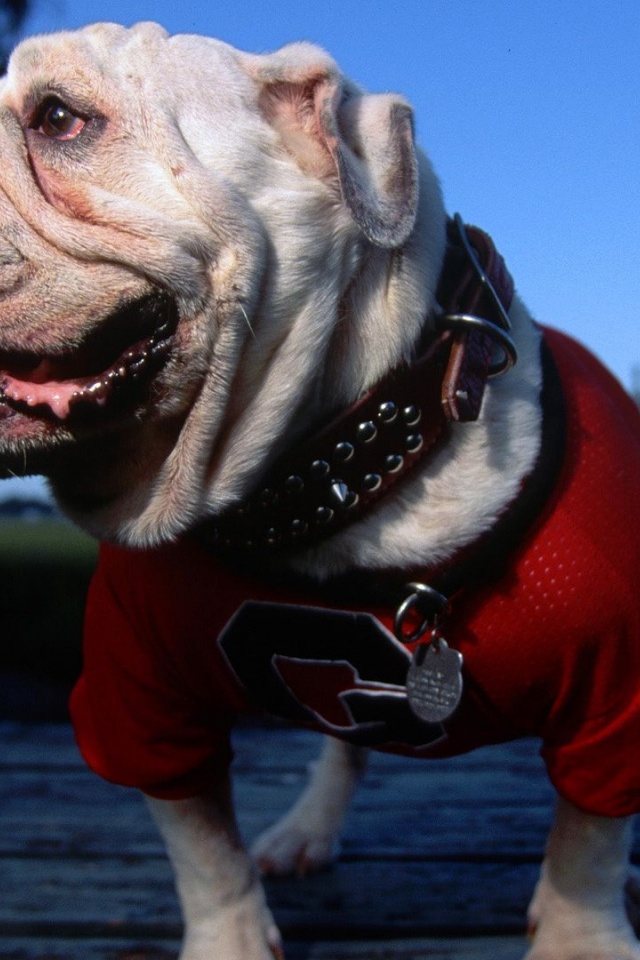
pixel 335 475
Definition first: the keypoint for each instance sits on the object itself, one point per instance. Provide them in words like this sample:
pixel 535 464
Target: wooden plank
pixel 404 808
pixel 78 814
pixel 42 746
pixel 404 788
pixel 92 897
pixel 497 948
pixel 509 835
pixel 439 860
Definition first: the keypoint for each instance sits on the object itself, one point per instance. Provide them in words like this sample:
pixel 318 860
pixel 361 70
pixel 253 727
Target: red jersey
pixel 176 644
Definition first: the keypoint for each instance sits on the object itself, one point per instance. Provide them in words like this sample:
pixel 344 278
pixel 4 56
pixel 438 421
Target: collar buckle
pixel 476 311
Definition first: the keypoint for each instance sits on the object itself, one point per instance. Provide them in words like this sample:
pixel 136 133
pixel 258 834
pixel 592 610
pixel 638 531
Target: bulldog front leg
pixel 578 911
pixel 223 903
pixel 307 838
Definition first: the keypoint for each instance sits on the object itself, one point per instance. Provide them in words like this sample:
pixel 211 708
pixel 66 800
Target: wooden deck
pixel 439 859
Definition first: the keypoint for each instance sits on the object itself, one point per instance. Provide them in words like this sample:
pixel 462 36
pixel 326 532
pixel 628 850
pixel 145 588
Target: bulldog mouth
pixel 111 369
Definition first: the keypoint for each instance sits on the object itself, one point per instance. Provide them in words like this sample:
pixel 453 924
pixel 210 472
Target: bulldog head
pixel 195 245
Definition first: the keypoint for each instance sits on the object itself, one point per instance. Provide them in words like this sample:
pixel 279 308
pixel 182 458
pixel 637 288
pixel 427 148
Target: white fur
pixel 308 837
pixel 222 900
pixel 578 909
pixel 577 913
pixel 264 193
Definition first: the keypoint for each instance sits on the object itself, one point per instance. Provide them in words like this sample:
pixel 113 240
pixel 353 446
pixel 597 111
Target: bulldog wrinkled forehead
pixel 108 38
pixel 146 50
pixel 131 75
pixel 99 47
pixel 102 56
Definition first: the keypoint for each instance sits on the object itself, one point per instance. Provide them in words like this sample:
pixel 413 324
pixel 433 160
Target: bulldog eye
pixel 57 121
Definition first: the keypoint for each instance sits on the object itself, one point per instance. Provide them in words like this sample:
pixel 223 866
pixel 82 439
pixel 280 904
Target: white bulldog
pixel 205 256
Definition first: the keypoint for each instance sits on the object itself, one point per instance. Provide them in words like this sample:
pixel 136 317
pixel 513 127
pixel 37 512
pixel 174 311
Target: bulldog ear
pixel 365 141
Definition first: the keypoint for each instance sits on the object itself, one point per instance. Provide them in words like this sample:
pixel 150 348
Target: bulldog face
pixel 179 223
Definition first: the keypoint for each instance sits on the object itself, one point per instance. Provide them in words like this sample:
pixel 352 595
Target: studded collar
pixel 338 473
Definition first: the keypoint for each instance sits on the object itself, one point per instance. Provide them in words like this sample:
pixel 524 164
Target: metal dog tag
pixel 434 681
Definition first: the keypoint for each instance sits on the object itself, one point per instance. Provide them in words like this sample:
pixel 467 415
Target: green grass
pixel 45 540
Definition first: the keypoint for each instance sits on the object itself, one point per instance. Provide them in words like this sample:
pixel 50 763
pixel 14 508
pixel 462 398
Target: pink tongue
pixel 55 394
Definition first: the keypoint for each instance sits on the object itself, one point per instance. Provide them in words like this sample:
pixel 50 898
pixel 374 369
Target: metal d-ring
pixel 427 603
pixel 505 341
pixel 492 330
pixel 482 274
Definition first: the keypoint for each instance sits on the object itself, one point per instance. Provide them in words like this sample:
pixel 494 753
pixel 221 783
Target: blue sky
pixel 529 109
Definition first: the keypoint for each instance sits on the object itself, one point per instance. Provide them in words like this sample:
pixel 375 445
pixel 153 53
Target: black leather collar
pixel 343 469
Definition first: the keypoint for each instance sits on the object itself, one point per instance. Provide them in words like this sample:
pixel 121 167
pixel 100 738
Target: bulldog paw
pixel 588 944
pixel 560 929
pixel 207 949
pixel 240 932
pixel 294 848
pixel 307 839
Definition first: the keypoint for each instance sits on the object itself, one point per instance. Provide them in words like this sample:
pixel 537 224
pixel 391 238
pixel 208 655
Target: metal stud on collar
pixel 387 412
pixel 367 431
pixel 335 497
